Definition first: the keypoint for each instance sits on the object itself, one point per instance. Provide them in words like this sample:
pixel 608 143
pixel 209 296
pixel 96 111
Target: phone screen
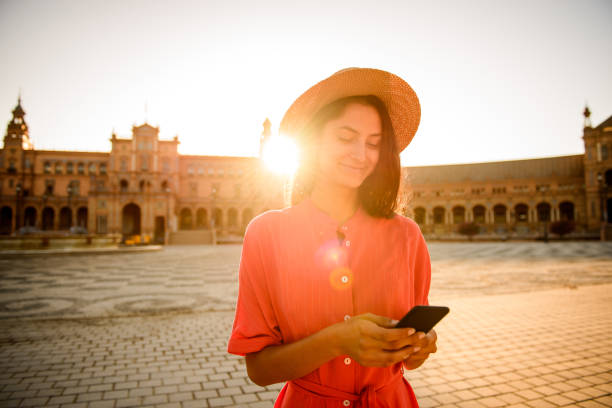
pixel 423 318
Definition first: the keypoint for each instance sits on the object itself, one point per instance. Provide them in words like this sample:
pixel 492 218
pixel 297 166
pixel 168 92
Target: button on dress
pixel 300 272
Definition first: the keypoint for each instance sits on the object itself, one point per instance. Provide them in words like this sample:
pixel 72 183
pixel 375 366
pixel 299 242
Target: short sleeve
pixel 255 324
pixel 421 266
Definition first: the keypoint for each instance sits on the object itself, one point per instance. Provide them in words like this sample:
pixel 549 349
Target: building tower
pixel 265 135
pixel 16 158
pixel 598 174
pixel 17 136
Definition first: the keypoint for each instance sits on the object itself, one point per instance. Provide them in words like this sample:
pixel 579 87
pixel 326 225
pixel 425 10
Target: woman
pixel 322 282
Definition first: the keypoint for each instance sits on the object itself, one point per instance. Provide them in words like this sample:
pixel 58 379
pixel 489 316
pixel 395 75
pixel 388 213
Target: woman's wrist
pixel 336 338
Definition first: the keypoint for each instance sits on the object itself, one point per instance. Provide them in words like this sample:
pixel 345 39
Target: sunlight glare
pixel 280 154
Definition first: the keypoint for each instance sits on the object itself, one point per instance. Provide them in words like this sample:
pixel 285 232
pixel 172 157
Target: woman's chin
pixel 349 182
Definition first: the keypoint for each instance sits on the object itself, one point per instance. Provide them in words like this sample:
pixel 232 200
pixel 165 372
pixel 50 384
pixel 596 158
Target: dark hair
pixel 378 192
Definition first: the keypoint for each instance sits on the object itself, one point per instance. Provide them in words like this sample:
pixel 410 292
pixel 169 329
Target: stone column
pixel 56 219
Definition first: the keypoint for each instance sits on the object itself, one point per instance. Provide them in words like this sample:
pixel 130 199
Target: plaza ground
pixel 530 326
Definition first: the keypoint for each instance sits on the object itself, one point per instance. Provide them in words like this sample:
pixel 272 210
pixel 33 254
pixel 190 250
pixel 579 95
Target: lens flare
pixel 331 255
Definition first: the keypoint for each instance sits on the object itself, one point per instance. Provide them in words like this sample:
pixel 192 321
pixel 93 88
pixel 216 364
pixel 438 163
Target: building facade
pixel 520 198
pixel 144 187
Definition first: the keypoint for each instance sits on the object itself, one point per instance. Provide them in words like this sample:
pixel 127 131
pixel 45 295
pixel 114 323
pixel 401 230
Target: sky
pixel 497 80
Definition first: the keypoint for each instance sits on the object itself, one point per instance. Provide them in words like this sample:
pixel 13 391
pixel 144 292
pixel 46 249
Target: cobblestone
pixel 530 326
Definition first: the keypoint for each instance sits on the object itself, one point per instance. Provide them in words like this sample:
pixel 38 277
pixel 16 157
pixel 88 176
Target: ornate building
pixel 144 187
pixel 517 198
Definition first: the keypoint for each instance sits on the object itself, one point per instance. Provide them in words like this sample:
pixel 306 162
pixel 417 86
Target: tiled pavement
pixel 540 336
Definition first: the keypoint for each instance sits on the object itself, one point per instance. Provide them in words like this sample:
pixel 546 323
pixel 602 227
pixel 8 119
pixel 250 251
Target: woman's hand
pixel 372 341
pixel 428 346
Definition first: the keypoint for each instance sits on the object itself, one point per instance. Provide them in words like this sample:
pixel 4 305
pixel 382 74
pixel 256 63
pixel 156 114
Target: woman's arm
pixel 368 339
pixel 289 361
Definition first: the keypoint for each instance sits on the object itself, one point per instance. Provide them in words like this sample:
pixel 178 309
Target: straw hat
pixel 399 98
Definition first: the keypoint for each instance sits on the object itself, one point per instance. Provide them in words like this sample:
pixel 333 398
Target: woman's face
pixel 350 146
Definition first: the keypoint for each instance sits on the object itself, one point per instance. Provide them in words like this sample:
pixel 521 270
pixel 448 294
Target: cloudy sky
pixel 497 80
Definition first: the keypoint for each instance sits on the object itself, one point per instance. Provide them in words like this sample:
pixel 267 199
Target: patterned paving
pixel 204 278
pixel 530 326
pixel 177 279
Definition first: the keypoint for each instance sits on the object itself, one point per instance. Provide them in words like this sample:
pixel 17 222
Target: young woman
pixel 322 282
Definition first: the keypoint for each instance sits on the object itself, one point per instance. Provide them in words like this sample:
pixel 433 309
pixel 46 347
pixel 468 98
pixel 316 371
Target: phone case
pixel 423 318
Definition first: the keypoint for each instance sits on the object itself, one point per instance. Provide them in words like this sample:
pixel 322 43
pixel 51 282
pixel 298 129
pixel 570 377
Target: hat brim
pixel 400 99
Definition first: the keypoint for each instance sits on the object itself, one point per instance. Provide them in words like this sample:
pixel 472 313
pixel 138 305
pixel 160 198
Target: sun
pixel 280 155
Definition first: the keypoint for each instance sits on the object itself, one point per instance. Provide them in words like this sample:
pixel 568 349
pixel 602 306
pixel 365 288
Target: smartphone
pixel 423 318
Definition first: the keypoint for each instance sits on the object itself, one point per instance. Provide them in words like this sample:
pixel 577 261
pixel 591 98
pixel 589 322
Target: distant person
pixel 322 281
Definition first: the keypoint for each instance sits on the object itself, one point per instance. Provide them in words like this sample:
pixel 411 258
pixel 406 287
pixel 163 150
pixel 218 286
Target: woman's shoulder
pixel 405 223
pixel 267 221
pixel 404 227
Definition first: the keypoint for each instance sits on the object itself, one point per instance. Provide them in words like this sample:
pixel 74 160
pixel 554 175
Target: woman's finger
pixel 387 335
pixel 415 339
pixel 381 321
pixel 381 358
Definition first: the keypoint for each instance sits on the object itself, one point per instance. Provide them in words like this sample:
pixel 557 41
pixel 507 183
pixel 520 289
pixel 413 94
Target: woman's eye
pixel 374 145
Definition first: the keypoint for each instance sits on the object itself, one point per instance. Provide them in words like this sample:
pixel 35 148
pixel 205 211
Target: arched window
pixel 65 221
pixel 458 214
pixel 29 217
pixel 419 215
pixel 82 217
pixel 201 218
pixel 438 214
pixel 543 210
pixel 232 218
pixel 499 214
pixel 48 218
pixel 186 220
pixel 566 211
pixel 479 214
pixel 123 186
pixel 521 212
pixel 218 218
pixel 6 220
pixel 608 178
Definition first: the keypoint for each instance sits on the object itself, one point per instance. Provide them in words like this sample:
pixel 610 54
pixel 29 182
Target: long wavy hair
pixel 378 192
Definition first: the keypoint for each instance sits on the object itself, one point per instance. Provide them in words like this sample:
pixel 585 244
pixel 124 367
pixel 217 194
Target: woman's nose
pixel 358 150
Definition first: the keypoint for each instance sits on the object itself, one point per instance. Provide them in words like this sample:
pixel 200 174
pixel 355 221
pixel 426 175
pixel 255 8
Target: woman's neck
pixel 338 202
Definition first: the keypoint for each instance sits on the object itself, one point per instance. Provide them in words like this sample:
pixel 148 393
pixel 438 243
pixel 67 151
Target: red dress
pixel 300 272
